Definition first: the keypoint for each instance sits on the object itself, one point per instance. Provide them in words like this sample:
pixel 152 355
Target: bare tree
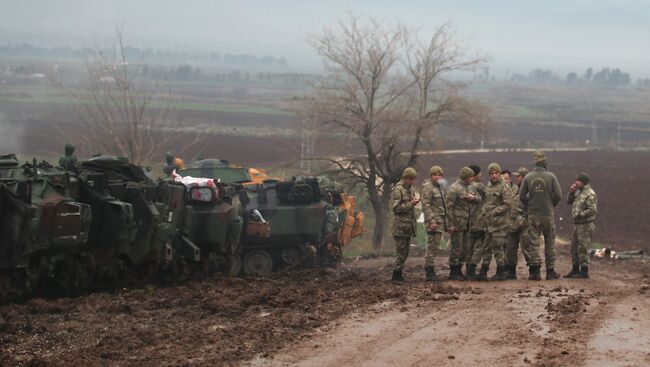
pixel 120 112
pixel 384 90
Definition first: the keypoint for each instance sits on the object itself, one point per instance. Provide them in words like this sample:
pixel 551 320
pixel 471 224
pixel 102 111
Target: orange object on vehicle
pixel 258 176
pixel 179 163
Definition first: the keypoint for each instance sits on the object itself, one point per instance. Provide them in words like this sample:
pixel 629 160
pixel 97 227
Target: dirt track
pixel 350 316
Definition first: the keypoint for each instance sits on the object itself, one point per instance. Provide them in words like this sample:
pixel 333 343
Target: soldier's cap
pixel 409 173
pixel 538 156
pixel 494 167
pixel 583 177
pixel 466 173
pixel 521 171
pixel 475 168
pixel 435 169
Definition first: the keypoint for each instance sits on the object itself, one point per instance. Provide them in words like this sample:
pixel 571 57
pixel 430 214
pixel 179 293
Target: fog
pixel 519 35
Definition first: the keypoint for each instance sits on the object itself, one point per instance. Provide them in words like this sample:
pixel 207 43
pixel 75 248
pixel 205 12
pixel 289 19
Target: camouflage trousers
pixel 433 246
pixel 402 245
pixel 581 243
pixel 475 243
pixel 541 226
pixel 458 251
pixel 512 245
pixel 492 244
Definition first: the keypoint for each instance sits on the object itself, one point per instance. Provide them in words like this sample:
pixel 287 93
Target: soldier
pixel 476 231
pixel 403 202
pixel 506 175
pixel 541 192
pixel 497 207
pixel 435 218
pixel 170 164
pixel 459 198
pixel 584 207
pixel 69 160
pixel 519 229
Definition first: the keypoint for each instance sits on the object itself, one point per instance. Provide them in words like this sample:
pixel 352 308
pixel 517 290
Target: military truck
pixel 306 224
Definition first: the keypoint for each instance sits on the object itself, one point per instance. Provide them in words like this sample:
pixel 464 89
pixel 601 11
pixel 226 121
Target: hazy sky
pixel 518 34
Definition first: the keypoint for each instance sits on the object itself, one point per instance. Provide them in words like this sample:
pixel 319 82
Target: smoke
pixel 12 135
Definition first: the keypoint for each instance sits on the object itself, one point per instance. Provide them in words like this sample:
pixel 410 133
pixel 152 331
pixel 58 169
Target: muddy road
pixel 347 316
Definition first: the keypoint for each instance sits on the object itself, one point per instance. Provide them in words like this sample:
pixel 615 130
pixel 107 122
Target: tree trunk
pixel 381 208
pixel 380 226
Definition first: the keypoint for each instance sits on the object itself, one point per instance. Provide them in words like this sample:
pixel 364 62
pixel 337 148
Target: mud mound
pixel 217 321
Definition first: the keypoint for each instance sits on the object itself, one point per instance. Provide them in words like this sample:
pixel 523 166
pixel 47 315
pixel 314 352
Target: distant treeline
pixel 606 77
pixel 149 54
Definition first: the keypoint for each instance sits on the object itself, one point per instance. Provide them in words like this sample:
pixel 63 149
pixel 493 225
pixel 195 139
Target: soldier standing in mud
pixel 584 207
pixel 497 207
pixel 460 196
pixel 476 231
pixel 519 228
pixel 402 203
pixel 541 192
pixel 435 218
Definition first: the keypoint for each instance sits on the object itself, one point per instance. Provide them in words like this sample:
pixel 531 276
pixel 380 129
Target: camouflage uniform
pixel 497 209
pixel 584 207
pixel 403 227
pixel 476 225
pixel 459 211
pixel 435 211
pixel 518 233
pixel 541 192
pixel 69 160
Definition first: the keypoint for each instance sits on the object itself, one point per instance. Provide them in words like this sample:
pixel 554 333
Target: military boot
pixel 574 271
pixel 501 273
pixel 534 273
pixel 430 274
pixel 511 272
pixel 470 272
pixel 583 273
pixel 455 273
pixel 482 274
pixel 397 276
pixel 551 274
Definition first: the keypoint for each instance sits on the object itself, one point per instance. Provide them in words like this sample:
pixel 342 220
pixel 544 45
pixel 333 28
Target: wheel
pixel 233 268
pixel 258 262
pixel 292 256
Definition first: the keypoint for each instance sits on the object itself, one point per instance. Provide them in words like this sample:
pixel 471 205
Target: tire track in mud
pixel 522 323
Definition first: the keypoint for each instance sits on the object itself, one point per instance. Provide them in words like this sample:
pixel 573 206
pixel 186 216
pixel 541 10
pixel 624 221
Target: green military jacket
pixel 584 205
pixel 459 210
pixel 433 206
pixel 476 208
pixel 403 211
pixel 541 192
pixel 518 215
pixel 499 203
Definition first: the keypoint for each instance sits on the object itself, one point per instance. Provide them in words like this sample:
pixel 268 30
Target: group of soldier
pixel 493 220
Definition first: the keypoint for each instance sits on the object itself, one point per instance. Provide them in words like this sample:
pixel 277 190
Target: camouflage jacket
pixel 518 215
pixel 541 192
pixel 476 208
pixel 459 210
pixel 433 206
pixel 584 205
pixel 403 211
pixel 499 203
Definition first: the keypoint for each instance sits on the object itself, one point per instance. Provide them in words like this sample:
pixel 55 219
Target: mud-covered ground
pixel 346 316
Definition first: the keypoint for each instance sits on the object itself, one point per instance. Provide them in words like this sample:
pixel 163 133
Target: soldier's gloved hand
pixel 433 226
pixel 415 201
